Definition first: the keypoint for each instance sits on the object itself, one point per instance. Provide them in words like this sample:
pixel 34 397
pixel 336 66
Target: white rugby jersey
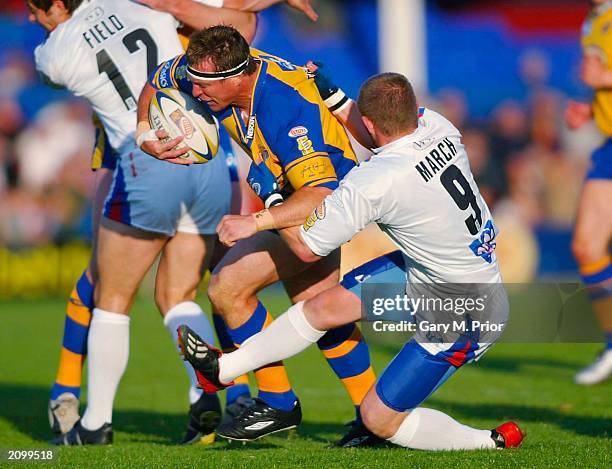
pixel 104 53
pixel 421 192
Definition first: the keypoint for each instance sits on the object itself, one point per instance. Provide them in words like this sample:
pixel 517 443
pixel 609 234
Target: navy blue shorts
pixel 601 162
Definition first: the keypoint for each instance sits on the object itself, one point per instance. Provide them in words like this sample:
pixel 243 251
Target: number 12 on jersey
pixel 132 42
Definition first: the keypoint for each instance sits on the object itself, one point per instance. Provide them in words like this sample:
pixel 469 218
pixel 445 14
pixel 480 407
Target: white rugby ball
pixel 179 113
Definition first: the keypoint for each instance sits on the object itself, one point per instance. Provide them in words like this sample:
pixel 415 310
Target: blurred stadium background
pixel 500 70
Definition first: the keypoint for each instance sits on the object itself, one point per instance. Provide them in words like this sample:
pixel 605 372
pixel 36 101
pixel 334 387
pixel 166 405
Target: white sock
pixel 286 336
pixel 190 314
pixel 108 349
pixel 433 430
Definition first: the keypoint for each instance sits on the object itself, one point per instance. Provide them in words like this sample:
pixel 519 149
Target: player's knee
pixel 320 312
pixel 112 301
pixel 586 252
pixel 165 299
pixel 223 292
pixel 373 421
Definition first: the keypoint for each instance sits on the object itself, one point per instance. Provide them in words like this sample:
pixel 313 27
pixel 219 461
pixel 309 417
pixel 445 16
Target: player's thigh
pixel 593 230
pixel 316 278
pixel 103 180
pixel 249 266
pixel 184 258
pixel 125 254
pixel 332 308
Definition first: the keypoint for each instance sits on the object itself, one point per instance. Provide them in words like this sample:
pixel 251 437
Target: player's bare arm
pixel 154 142
pixel 257 5
pixel 199 16
pixel 292 213
pixel 294 240
pixel 594 73
pixel 351 119
pixel 342 107
pixel 577 114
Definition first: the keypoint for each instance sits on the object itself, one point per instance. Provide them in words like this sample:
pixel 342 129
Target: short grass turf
pixel 566 425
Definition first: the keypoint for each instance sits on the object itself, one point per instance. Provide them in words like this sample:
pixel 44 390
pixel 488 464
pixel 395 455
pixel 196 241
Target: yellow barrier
pixel 43 271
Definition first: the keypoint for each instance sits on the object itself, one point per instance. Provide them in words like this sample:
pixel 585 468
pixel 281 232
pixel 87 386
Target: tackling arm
pixel 297 208
pixel 292 213
pixel 198 15
pixel 257 5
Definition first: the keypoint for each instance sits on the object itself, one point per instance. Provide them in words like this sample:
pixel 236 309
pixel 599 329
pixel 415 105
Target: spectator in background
pixel 489 177
pixel 61 132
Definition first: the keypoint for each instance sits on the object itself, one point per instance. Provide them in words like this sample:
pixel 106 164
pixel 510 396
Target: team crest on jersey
pixel 485 245
pixel 298 131
pixel 305 145
pixel 181 72
pixel 181 121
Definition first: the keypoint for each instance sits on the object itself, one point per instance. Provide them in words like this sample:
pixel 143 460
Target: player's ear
pixel 368 124
pixel 59 7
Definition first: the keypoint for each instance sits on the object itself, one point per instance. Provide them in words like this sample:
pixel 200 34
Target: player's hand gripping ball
pixel 179 114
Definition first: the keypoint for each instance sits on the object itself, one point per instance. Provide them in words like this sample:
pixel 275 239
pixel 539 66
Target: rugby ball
pixel 179 113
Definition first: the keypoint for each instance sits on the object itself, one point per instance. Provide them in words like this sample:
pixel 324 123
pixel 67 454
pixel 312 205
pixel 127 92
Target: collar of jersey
pixel 396 143
pixel 258 88
pixel 403 140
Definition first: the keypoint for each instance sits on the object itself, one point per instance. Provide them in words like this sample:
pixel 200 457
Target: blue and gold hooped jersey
pixel 597 41
pixel 103 155
pixel 289 128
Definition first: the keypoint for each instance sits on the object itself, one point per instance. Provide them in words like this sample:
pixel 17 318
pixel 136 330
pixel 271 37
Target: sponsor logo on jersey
pixel 251 128
pixel 163 81
pixel 94 15
pixel 317 214
pixel 298 131
pixel 320 211
pixel 182 122
pixel 423 143
pixel 305 145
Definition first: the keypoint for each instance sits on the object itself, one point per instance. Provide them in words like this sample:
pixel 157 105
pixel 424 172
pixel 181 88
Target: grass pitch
pixel 567 425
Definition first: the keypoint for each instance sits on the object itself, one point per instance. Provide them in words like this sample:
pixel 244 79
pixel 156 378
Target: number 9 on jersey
pixel 179 114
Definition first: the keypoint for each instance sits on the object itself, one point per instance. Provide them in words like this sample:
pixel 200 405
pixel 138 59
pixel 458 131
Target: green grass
pixel 567 425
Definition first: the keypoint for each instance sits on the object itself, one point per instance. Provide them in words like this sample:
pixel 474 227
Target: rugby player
pixel 274 111
pixel 593 230
pixel 419 189
pixel 102 50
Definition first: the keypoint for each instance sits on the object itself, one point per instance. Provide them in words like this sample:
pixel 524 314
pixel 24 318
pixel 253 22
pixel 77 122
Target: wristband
pixel 264 220
pixel 273 199
pixel 337 101
pixel 144 132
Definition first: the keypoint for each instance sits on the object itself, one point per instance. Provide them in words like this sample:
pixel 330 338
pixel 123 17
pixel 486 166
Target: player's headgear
pixel 232 72
pixel 225 47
